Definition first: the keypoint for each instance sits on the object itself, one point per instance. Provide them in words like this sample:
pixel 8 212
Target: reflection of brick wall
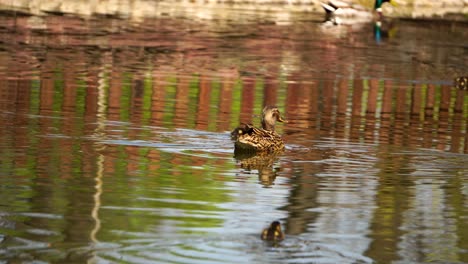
pixel 201 86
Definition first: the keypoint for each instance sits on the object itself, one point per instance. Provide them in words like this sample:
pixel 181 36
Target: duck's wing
pixel 262 132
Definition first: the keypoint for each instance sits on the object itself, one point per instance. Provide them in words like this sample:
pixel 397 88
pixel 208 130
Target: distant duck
pixel 378 6
pixel 337 11
pixel 461 83
pixel 273 232
pixel 250 138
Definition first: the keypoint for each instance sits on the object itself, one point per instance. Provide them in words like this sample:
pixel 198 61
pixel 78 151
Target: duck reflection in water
pixel 383 31
pixel 273 233
pixel 262 161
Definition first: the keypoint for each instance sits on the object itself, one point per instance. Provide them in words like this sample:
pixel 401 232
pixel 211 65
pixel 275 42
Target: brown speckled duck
pixel 250 138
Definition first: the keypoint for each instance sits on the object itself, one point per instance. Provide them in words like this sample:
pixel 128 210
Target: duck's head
pixel 270 116
pixel 273 232
pixel 379 3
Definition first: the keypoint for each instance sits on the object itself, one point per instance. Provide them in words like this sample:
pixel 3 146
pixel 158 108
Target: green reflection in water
pixel 80 100
pixel 147 92
pixel 236 103
pixel 193 94
pixel 258 101
pixel 34 101
pixel 139 200
pixel 214 101
pixel 126 97
pixel 170 91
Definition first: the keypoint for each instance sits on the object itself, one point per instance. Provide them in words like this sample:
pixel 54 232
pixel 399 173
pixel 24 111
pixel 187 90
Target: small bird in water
pixel 273 232
pixel 250 138
pixel 461 83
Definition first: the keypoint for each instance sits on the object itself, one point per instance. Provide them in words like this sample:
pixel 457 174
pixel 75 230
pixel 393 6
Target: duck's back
pixel 252 138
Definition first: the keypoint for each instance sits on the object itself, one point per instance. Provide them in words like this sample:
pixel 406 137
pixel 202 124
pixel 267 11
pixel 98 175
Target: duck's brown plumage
pixel 250 138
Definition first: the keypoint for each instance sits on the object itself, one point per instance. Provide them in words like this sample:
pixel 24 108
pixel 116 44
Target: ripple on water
pixel 41 215
pixel 225 249
pixel 187 142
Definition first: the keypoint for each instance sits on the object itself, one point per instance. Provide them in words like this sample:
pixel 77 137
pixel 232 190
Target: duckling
pixel 335 11
pixel 273 232
pixel 461 83
pixel 250 138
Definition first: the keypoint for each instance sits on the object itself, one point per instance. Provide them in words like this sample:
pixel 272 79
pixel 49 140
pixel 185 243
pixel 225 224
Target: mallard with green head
pixel 273 232
pixel 250 138
pixel 378 6
pixel 337 12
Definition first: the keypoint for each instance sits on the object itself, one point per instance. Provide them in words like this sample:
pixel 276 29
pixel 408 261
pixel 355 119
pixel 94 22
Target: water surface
pixel 114 141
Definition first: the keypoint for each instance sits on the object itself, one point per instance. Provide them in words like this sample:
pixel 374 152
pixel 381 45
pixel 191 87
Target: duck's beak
pixel 281 119
pixel 393 3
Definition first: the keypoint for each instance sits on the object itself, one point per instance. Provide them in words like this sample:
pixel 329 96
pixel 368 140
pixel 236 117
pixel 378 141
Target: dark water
pixel 114 141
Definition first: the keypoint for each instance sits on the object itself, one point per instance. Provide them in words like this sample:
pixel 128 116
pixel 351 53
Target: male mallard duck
pixel 273 232
pixel 378 5
pixel 334 10
pixel 251 138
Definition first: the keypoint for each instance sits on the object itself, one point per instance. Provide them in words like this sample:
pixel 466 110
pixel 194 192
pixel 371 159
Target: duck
pixel 337 11
pixel 250 138
pixel 273 232
pixel 461 83
pixel 378 6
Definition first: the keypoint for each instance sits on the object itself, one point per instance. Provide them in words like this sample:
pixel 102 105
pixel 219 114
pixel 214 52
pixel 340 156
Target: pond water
pixel 114 141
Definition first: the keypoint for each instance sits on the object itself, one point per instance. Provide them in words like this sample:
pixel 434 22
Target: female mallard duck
pixel 336 11
pixel 251 138
pixel 273 232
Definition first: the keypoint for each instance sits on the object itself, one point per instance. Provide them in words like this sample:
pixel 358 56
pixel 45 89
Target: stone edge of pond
pixel 235 10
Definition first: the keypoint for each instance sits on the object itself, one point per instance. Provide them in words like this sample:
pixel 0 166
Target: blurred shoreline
pixel 279 11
